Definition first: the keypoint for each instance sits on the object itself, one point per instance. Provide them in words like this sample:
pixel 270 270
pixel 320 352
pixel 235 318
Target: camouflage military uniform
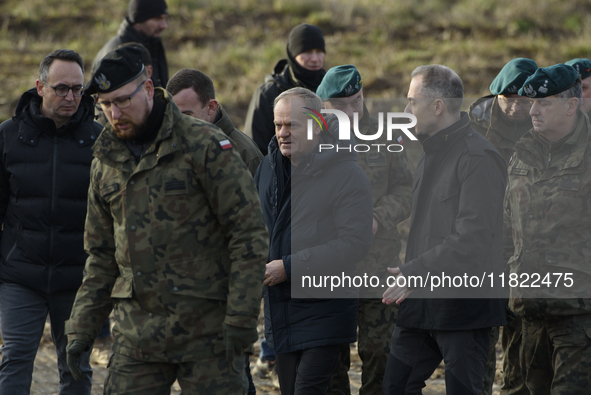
pixel 390 175
pixel 487 119
pixel 177 246
pixel 247 149
pixel 547 204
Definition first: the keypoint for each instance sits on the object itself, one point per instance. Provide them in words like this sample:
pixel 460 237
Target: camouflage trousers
pixel 513 383
pixel 556 355
pixel 376 322
pixel 129 376
pixel 491 363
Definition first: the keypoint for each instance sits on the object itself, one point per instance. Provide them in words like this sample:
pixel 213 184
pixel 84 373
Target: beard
pixel 132 130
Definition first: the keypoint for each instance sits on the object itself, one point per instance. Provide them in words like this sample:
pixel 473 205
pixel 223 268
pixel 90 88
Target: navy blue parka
pixel 319 217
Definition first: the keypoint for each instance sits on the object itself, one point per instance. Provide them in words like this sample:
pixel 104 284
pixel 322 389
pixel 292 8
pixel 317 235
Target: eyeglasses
pixel 119 103
pixel 62 90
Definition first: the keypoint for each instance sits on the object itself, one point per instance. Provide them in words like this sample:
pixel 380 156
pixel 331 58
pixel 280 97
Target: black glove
pixel 74 351
pixel 237 340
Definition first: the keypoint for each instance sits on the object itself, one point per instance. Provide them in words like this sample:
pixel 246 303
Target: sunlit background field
pixel 236 42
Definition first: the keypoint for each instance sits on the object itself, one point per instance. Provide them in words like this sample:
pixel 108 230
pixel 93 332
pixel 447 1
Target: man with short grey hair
pixel 317 207
pixel 547 208
pixel 456 231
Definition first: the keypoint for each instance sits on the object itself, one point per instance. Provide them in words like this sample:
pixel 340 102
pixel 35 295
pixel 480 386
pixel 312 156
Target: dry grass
pixel 237 42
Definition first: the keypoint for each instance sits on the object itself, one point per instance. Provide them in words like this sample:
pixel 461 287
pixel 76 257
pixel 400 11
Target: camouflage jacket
pixel 247 149
pixel 547 205
pixel 486 118
pixel 390 176
pixel 177 243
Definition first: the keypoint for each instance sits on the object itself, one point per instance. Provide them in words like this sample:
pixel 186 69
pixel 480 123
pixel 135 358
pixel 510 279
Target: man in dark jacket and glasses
pixel 45 156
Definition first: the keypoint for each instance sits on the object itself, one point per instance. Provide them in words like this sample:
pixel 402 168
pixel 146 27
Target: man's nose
pixel 407 109
pixel 115 111
pixel 70 95
pixel 533 110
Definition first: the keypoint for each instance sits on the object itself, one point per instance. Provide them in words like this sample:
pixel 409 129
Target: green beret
pixel 119 67
pixel 548 81
pixel 582 65
pixel 340 81
pixel 512 76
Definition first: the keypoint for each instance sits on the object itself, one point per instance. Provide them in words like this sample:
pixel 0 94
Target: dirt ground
pixel 45 376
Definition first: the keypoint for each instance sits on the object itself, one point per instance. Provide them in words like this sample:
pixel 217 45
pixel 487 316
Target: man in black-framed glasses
pixel 62 90
pixel 44 179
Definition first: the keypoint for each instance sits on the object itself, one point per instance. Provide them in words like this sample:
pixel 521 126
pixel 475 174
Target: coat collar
pixel 225 123
pixel 32 123
pixel 447 137
pixel 113 151
pixel 568 152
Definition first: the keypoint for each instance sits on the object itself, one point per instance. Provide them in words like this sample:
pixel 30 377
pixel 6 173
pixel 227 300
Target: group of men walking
pixel 175 222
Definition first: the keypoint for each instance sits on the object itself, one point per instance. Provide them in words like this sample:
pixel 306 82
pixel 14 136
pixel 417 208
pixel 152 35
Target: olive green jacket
pixel 486 118
pixel 177 243
pixel 547 204
pixel 247 149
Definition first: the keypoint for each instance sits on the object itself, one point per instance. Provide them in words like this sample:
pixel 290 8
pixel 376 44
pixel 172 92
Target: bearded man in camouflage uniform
pixel 176 241
pixel 547 207
pixel 390 176
pixel 503 117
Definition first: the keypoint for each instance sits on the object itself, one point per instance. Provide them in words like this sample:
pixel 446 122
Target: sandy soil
pixel 45 376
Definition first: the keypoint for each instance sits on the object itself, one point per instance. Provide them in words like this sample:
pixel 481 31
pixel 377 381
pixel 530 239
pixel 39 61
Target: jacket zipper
pixel 52 215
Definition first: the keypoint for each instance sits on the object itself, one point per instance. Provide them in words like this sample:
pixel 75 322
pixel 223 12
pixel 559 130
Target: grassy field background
pixel 237 42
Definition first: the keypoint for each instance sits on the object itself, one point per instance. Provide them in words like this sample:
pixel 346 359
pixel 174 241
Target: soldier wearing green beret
pixel 503 117
pixel 583 67
pixel 390 175
pixel 176 241
pixel 547 207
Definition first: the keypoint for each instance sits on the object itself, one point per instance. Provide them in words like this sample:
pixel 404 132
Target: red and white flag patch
pixel 399 140
pixel 225 144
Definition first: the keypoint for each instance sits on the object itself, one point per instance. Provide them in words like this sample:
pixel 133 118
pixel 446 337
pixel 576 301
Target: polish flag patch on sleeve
pixel 399 140
pixel 225 144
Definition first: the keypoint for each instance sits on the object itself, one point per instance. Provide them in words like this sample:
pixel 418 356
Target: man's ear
pixel 572 105
pixel 438 106
pixel 149 85
pixel 212 106
pixel 39 85
pixel 150 71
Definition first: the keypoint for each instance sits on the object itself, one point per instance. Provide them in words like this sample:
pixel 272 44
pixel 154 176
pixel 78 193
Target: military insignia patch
pixel 544 89
pixel 175 184
pixel 512 89
pixel 102 82
pixel 225 144
pixel 520 172
pixel 529 91
pixel 349 90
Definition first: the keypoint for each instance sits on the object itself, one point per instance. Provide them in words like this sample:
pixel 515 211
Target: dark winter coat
pixel 327 202
pixel 44 178
pixel 259 117
pixel 456 228
pixel 154 45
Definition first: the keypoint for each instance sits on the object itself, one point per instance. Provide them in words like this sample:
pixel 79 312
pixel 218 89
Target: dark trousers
pixel 24 312
pixel 415 354
pixel 306 372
